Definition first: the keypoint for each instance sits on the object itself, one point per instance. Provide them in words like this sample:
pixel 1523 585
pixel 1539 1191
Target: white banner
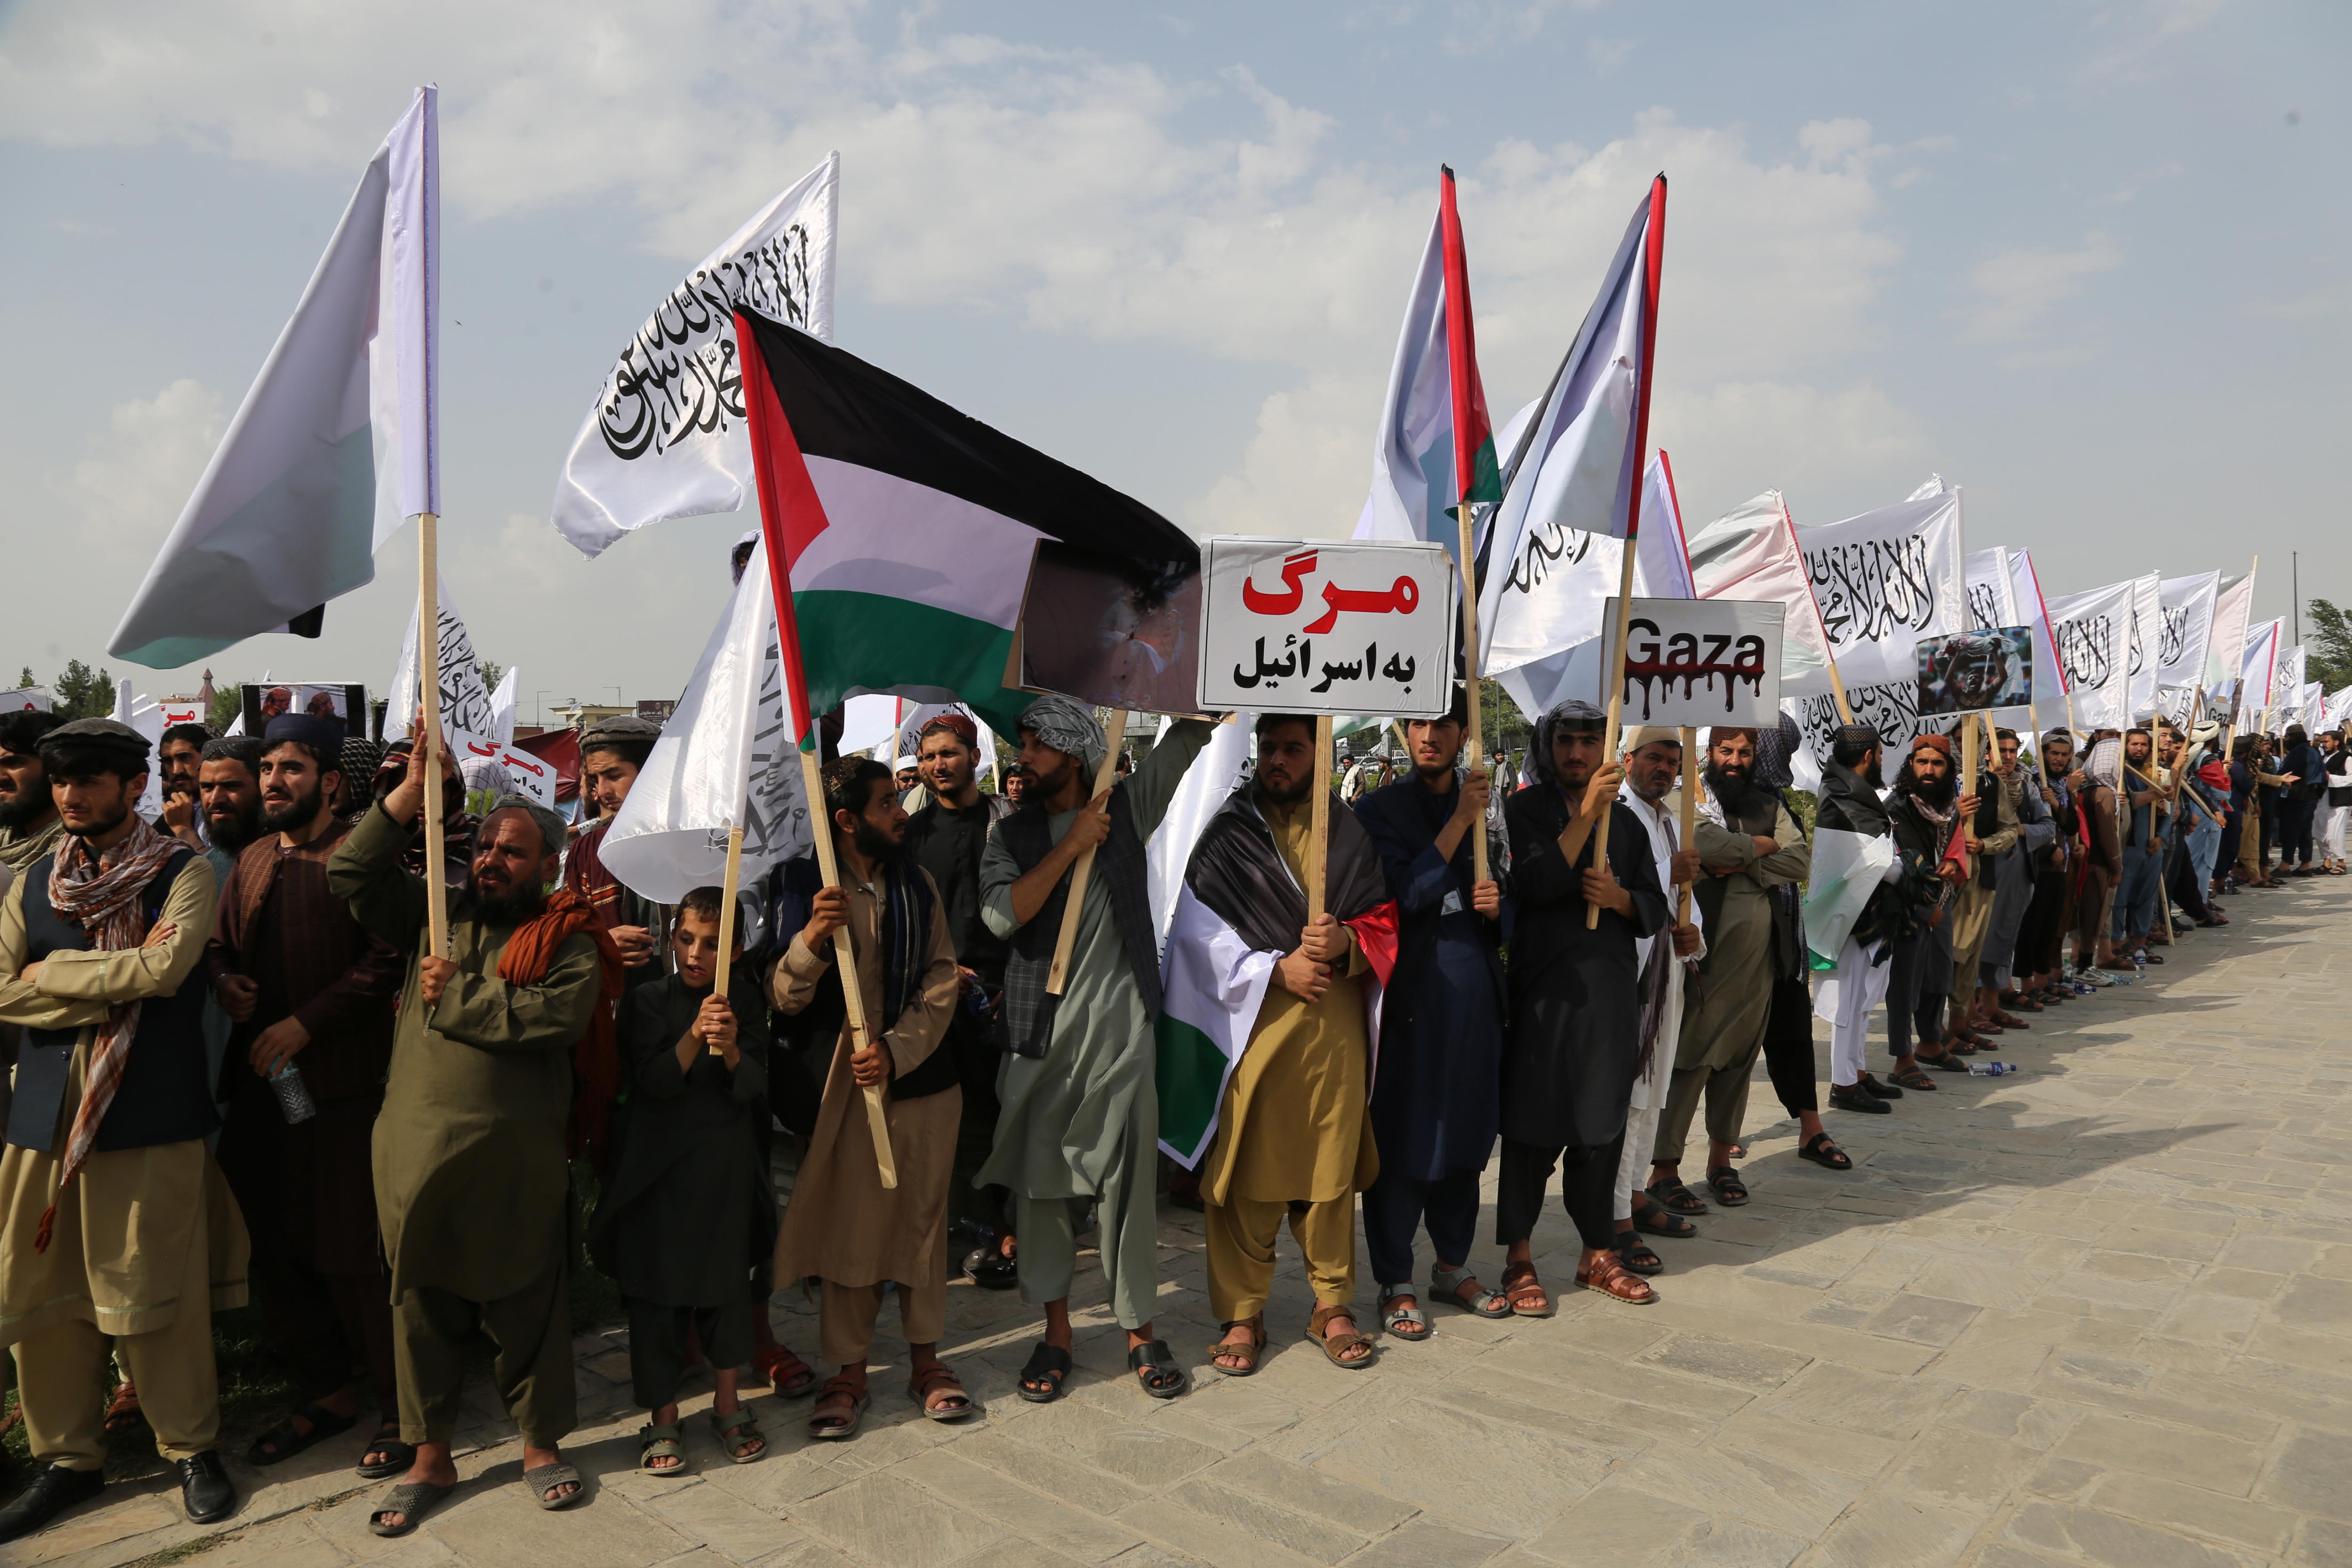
pixel 1700 661
pixel 2188 605
pixel 2287 685
pixel 502 703
pixel 466 703
pixel 1992 596
pixel 1891 708
pixel 666 436
pixel 1750 553
pixel 725 757
pixel 2092 633
pixel 2233 603
pixel 1326 627
pixel 2258 671
pixel 2147 628
pixel 1883 581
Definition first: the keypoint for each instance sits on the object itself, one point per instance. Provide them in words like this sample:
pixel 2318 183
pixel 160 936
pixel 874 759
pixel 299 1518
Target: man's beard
pixel 1875 775
pixel 296 813
pixel 1290 796
pixel 243 827
pixel 1734 787
pixel 21 811
pixel 516 906
pixel 1938 794
pixel 1429 774
pixel 99 829
pixel 877 846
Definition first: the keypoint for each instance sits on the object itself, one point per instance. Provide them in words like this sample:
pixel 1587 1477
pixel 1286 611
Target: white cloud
pixel 2021 286
pixel 1734 438
pixel 130 484
pixel 1607 55
pixel 1305 470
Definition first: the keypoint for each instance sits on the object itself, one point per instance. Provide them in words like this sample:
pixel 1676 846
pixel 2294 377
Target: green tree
pixel 83 693
pixel 25 677
pixel 228 701
pixel 492 673
pixel 2328 649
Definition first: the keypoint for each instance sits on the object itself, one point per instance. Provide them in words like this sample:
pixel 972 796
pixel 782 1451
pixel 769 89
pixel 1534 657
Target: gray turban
pixel 1575 717
pixel 554 831
pixel 1774 747
pixel 1068 727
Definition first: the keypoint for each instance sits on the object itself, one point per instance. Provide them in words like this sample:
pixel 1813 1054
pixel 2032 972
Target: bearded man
pixel 1574 1048
pixel 178 754
pixel 1749 844
pixel 612 753
pixel 29 828
pixel 1990 830
pixel 2055 869
pixel 114 1220
pixel 1294 1136
pixel 1926 814
pixel 1078 1088
pixel 2140 825
pixel 1439 1092
pixel 472 1192
pixel 310 994
pixel 2013 871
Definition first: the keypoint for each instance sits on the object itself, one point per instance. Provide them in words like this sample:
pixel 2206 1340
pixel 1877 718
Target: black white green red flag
pixel 904 530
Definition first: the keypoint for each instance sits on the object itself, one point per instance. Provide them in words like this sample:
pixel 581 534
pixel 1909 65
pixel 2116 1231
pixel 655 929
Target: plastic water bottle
pixel 293 1096
pixel 2139 964
pixel 1989 1070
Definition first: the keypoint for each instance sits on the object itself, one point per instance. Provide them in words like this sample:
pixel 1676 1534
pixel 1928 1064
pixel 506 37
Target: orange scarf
pixel 595 1056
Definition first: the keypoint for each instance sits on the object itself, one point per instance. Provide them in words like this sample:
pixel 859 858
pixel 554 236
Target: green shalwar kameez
pixel 472 1191
pixel 1082 1122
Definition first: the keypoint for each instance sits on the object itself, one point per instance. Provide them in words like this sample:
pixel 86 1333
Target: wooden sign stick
pixel 1473 743
pixel 845 964
pixel 726 886
pixel 1616 713
pixel 1104 776
pixel 1319 835
pixel 428 744
pixel 1691 787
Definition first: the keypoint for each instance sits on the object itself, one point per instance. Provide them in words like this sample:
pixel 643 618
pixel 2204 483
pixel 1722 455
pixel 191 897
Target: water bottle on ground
pixel 1989 1070
pixel 293 1096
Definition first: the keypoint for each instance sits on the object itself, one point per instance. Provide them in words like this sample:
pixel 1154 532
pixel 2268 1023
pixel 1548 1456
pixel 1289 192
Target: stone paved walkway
pixel 2098 1314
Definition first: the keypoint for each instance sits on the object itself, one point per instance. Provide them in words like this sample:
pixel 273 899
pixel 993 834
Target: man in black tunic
pixel 1574 1046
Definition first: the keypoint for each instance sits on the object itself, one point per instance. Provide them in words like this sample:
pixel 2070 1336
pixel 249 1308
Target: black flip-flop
pixel 1049 1367
pixel 412 1501
pixel 1821 1151
pixel 1658 1221
pixel 1155 1369
pixel 282 1442
pixel 387 1441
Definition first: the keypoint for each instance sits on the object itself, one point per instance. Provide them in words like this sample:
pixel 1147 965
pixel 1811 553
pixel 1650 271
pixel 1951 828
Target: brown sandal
pixel 937 1379
pixel 1524 1292
pixel 1334 1346
pixel 1246 1354
pixel 1612 1279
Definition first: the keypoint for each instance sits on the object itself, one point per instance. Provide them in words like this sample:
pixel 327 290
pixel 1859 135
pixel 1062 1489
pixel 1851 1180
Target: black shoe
pixel 205 1491
pixel 51 1492
pixel 1854 1097
pixel 1870 1086
pixel 990 1269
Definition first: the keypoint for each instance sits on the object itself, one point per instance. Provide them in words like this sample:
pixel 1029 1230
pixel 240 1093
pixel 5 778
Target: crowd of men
pixel 240 1068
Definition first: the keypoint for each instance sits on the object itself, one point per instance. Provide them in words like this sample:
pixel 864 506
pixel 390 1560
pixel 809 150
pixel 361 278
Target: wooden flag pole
pixel 1104 776
pixel 1318 836
pixel 1691 787
pixel 1616 712
pixel 845 964
pixel 726 886
pixel 1837 689
pixel 1474 741
pixel 428 663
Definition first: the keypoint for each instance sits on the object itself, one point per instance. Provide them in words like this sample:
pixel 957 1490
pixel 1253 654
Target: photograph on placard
pixel 344 702
pixel 1327 626
pixel 1967 672
pixel 1104 629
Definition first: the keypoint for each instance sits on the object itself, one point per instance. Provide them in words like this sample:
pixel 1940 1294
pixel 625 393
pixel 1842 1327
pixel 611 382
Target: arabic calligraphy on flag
pixel 1323 627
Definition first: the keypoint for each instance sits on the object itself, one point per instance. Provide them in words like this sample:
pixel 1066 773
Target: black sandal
pixel 1912 1078
pixel 283 1442
pixel 387 1441
pixel 1048 1368
pixel 1637 1256
pixel 1822 1152
pixel 1154 1365
pixel 1675 1198
pixel 1947 1062
pixel 1730 1190
pixel 1649 1216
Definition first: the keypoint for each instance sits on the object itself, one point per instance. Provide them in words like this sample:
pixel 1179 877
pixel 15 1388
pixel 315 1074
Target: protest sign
pixel 344 702
pixel 1969 672
pixel 1327 626
pixel 491 768
pixel 1700 661
pixel 1110 631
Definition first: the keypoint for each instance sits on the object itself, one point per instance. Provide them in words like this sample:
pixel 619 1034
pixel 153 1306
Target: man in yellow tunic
pixel 1294 1126
pixel 114 1220
pixel 843 1228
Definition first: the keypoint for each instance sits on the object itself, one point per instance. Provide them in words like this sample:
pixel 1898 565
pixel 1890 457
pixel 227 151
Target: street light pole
pixel 537 708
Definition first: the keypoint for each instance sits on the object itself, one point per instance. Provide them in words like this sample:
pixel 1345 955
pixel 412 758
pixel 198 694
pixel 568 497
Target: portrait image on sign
pixel 1967 672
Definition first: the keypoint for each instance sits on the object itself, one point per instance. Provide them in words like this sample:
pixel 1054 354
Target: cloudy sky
pixel 2090 259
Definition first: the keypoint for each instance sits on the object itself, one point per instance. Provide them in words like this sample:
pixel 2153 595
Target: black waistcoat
pixel 163 1097
pixel 1027 1024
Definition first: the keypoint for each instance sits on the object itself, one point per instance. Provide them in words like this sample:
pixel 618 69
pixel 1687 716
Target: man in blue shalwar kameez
pixel 1436 1094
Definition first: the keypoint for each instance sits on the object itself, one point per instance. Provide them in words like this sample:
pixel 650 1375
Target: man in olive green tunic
pixel 472 1192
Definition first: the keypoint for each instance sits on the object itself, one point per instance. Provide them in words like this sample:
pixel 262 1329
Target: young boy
pixel 687 1223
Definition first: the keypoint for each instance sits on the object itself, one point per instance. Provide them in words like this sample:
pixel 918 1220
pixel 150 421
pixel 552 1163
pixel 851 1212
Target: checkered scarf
pixel 102 899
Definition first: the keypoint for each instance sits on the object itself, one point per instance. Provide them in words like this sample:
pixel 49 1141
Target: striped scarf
pixel 103 899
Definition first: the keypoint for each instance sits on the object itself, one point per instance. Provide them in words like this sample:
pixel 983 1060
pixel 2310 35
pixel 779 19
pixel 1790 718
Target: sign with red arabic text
pixel 1337 627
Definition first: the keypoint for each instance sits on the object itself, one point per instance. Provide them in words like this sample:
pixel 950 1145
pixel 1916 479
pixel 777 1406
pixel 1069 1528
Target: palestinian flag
pixel 1480 476
pixel 905 530
pixel 1238 910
